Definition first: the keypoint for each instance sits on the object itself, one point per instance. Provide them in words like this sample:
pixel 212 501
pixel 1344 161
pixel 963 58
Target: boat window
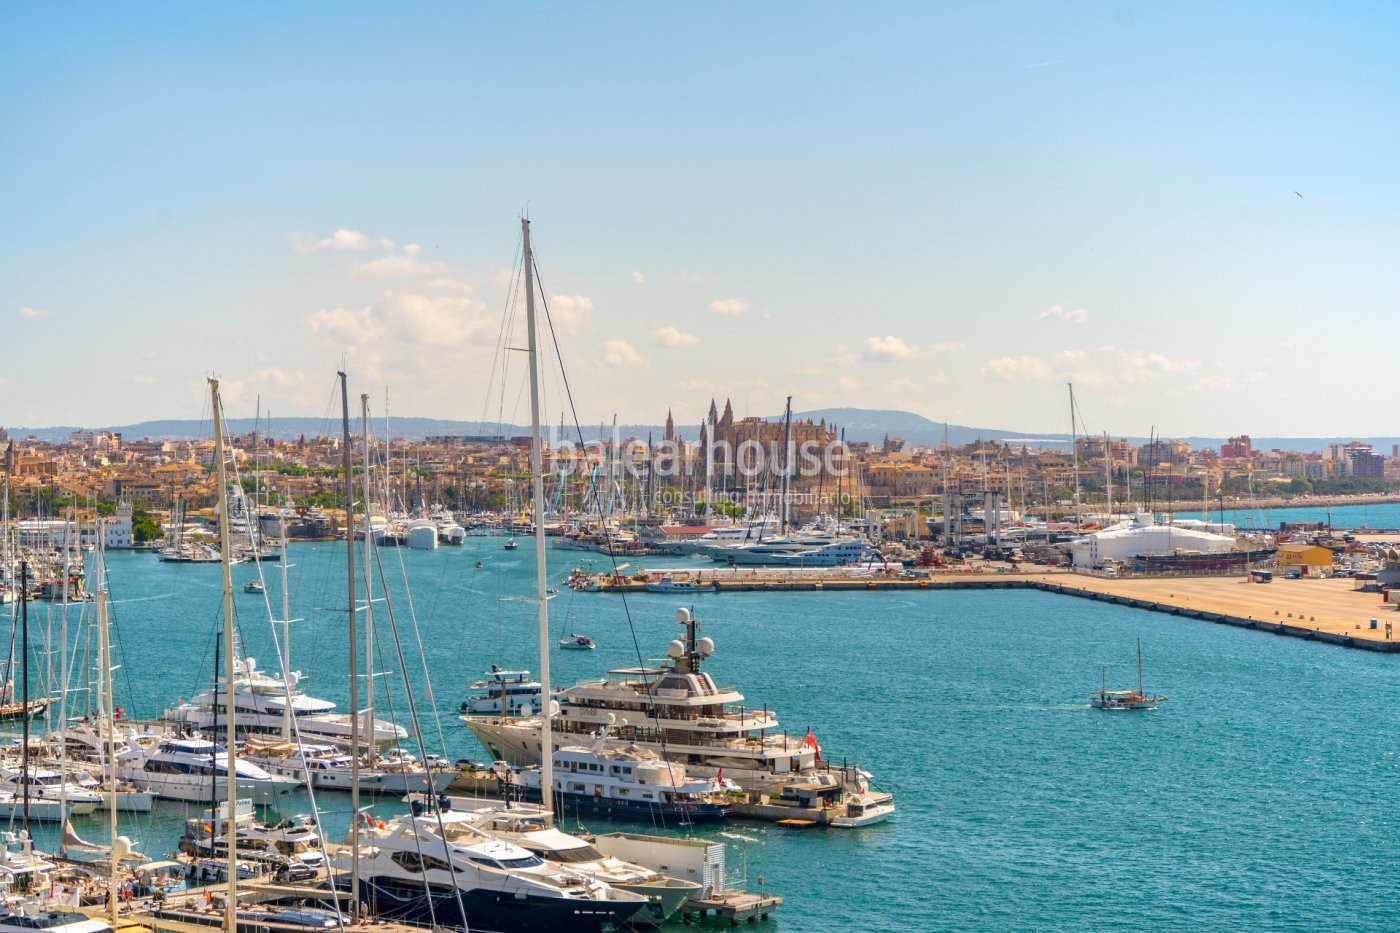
pixel 580 854
pixel 409 861
pixel 528 861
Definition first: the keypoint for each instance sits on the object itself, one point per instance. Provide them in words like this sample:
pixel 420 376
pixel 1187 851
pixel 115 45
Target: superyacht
pixel 678 712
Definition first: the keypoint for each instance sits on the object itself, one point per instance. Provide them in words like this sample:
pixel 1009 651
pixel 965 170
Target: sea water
pixel 1259 796
pixel 1355 517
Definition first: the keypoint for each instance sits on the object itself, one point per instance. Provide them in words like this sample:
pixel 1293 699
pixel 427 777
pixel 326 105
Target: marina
pixel 960 709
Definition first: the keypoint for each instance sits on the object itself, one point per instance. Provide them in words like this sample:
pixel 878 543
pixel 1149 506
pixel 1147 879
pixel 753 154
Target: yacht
pixel 678 712
pixel 48 785
pixel 807 549
pixel 290 847
pixel 515 689
pixel 19 916
pixel 436 867
pixel 329 767
pixel 193 769
pixel 260 704
pixel 630 781
pixel 527 828
pixel 726 536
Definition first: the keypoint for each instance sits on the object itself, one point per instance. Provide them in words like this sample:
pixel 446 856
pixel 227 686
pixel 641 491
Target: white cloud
pixel 729 307
pixel 847 384
pixel 1143 367
pixel 405 266
pixel 639 278
pixel 1075 316
pixel 622 354
pixel 950 346
pixel 698 385
pixel 342 239
pixel 810 370
pixel 672 337
pixel 569 313
pixel 400 320
pixel 887 350
pixel 32 312
pixel 1287 345
pixel 1014 368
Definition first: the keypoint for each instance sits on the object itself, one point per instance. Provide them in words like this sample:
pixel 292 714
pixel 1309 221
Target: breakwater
pixel 1327 610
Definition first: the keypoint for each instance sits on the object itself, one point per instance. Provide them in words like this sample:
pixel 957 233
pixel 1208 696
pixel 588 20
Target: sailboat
pixel 1105 698
pixel 576 641
pixel 434 866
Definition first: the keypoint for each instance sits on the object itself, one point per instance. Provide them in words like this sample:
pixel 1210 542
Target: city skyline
pixel 942 209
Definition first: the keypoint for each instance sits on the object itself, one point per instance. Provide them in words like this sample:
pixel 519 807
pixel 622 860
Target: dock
pixel 734 906
pixel 1328 609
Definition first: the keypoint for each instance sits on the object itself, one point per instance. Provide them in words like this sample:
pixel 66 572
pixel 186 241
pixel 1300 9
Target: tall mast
pixel 787 469
pixel 226 542
pixel 1139 652
pixel 348 465
pixel 1074 449
pixel 106 711
pixel 24 678
pixel 1108 477
pixel 537 481
pixel 369 609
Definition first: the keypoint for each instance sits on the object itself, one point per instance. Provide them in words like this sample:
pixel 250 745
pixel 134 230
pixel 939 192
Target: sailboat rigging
pixel 1104 698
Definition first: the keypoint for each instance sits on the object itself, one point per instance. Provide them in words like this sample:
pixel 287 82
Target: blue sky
pixel 1188 210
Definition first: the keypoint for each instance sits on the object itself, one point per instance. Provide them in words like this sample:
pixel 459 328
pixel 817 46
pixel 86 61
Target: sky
pixel 1187 210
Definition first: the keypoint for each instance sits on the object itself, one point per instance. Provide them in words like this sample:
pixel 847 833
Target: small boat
pixel 254 586
pixel 669 584
pixel 510 544
pixel 502 693
pixel 1104 698
pixel 578 642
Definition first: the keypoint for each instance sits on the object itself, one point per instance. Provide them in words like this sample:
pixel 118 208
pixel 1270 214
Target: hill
pixel 860 424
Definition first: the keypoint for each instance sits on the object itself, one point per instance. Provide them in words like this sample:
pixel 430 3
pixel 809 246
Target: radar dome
pixel 706 645
pixel 675 649
pixel 683 616
pixel 526 710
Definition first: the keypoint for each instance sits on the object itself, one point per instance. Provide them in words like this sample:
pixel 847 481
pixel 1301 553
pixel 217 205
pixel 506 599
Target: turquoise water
pixel 1382 515
pixel 1259 797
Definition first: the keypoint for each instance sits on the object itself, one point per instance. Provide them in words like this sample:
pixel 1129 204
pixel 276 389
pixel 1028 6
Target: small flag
pixel 719 777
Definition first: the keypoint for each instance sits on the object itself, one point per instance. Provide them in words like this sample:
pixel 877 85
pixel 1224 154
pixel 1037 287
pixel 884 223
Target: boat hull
pixel 393 898
pixel 566 803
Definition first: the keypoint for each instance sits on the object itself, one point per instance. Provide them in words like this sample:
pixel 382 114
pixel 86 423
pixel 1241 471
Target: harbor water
pixel 1258 797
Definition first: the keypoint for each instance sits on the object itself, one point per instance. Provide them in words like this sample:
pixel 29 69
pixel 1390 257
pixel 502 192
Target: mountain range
pixel 859 424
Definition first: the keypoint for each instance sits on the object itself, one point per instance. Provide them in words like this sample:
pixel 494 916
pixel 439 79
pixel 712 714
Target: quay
pixel 1327 609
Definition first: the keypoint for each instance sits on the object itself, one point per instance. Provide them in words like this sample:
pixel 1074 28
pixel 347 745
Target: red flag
pixel 719 777
pixel 811 742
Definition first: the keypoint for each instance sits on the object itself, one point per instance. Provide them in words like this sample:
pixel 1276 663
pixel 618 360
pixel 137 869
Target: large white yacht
pixel 807 549
pixel 703 726
pixel 527 827
pixel 260 704
pixel 435 867
pixel 193 769
pixel 329 767
pixel 48 785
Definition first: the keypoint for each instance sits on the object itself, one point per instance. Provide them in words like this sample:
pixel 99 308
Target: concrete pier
pixel 1331 610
